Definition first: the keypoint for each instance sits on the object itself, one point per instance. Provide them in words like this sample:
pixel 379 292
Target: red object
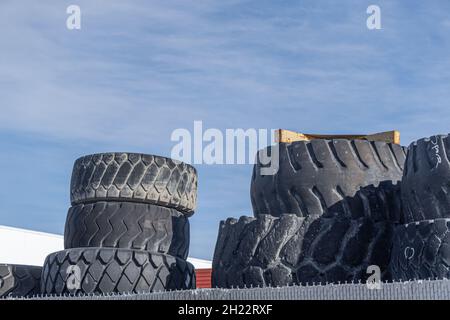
pixel 203 277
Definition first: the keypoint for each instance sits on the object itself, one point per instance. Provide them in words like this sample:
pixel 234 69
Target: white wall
pixel 20 246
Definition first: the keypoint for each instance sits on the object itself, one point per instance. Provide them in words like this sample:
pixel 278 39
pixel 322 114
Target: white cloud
pixel 139 69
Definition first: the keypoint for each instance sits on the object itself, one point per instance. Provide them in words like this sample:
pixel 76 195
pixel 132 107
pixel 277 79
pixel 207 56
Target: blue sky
pixel 137 70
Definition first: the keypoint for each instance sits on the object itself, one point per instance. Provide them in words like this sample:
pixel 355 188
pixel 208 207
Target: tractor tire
pixel 426 180
pixel 107 270
pixel 421 251
pixel 19 280
pixel 128 225
pixel 328 178
pixel 134 177
pixel 286 250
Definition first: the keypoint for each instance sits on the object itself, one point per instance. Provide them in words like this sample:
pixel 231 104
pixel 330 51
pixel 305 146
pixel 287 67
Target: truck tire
pixel 426 179
pixel 286 250
pixel 19 280
pixel 134 177
pixel 107 270
pixel 322 177
pixel 128 225
pixel 421 250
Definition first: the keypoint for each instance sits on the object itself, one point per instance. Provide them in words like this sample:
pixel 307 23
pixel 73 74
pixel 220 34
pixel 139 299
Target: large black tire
pixel 19 280
pixel 107 270
pixel 324 177
pixel 134 177
pixel 426 180
pixel 421 250
pixel 285 250
pixel 128 225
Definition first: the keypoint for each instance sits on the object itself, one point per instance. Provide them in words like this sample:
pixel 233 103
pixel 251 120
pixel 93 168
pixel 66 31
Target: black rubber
pixel 134 177
pixel 325 177
pixel 421 250
pixel 128 225
pixel 107 270
pixel 285 250
pixel 19 280
pixel 426 179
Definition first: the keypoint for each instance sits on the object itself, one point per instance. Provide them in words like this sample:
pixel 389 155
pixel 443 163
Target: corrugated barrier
pixel 421 290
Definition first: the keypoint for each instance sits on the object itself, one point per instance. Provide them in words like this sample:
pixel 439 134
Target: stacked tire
pixel 422 243
pixel 128 229
pixel 325 216
pixel 19 280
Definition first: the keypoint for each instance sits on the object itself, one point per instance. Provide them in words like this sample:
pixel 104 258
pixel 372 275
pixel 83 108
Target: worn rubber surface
pixel 128 225
pixel 19 280
pixel 107 270
pixel 426 180
pixel 422 250
pixel 325 177
pixel 134 177
pixel 286 250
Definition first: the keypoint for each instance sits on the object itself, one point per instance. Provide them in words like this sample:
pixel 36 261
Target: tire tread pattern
pixel 287 250
pixel 19 280
pixel 317 177
pixel 128 225
pixel 421 250
pixel 107 270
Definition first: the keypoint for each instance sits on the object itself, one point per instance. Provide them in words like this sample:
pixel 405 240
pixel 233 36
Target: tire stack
pixel 127 229
pixel 326 215
pixel 422 244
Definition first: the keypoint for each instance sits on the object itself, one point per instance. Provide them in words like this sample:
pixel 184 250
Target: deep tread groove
pixel 313 157
pixel 345 205
pixel 358 156
pixel 303 210
pixel 294 164
pixel 377 153
pixel 397 163
pixel 321 199
pixel 335 155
